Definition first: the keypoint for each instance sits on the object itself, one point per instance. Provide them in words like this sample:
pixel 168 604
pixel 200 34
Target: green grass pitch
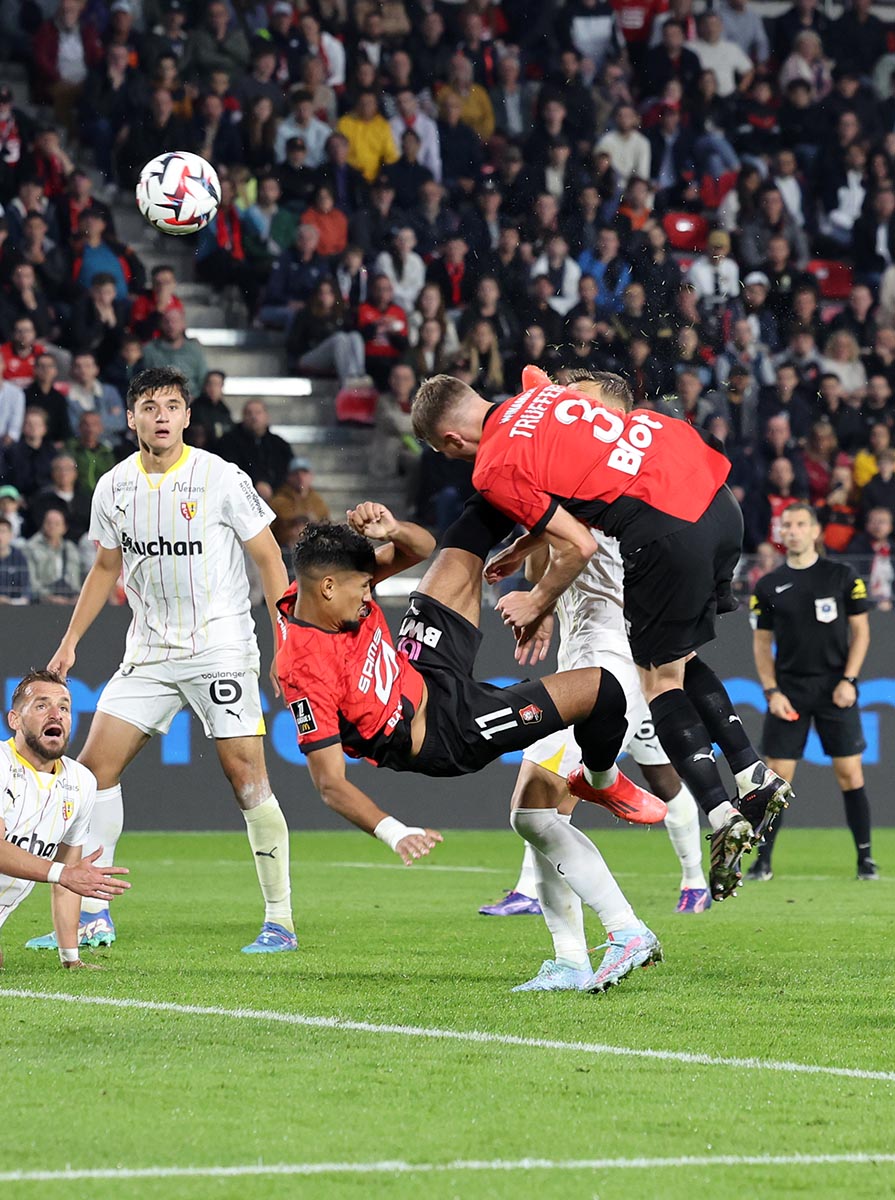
pixel 796 971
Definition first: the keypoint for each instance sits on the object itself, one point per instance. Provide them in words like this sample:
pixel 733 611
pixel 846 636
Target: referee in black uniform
pixel 815 610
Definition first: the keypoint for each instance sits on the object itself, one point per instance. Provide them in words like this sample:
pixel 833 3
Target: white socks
pixel 682 824
pixel 601 779
pixel 567 861
pixel 721 814
pixel 527 883
pixel 269 839
pixel 106 824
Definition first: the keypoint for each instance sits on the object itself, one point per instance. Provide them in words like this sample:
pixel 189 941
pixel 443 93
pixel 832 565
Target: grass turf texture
pixel 800 969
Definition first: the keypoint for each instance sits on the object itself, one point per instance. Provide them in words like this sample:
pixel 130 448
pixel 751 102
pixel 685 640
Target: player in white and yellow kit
pixel 176 519
pixel 46 801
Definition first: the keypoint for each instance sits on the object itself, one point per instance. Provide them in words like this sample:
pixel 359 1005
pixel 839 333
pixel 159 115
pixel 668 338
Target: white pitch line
pixel 399 1167
pixel 375 866
pixel 481 1037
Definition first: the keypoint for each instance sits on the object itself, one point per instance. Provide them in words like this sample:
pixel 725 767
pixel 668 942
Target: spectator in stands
pixel 454 273
pixel 839 511
pixel 732 68
pixel 487 305
pixel 403 267
pixel 866 463
pixel 481 226
pixel 302 123
pixel 820 451
pixel 151 133
pixel 24 297
pixel 462 153
pixel 431 52
pixel 591 28
pixel 878 401
pixel 209 410
pixel 87 394
pixel 326 47
pixel 763 510
pixel 98 254
pixel 10 508
pixel 18 355
pixel 370 142
pixel 42 393
pixel 804 14
pixel 745 26
pixel 15 578
pixel 745 349
pixel 611 273
pixel 65 493
pixel 37 248
pixel 151 305
pixel 293 278
pixel 12 413
pixel 475 104
pixel 264 456
pixel 807 64
pixel 172 348
pixel 671 59
pixel 409 116
pixel 168 38
pixel 842 357
pixel 99 319
pixel 383 326
pixel 772 221
pixel 858 38
pixel 880 490
pixel 28 460
pixel 787 396
pixel 562 271
pixel 429 356
pixel 480 361
pixel 221 258
pixel 394 451
pixel 322 337
pixel 93 457
pixel 628 149
pixel 296 498
pixel 111 101
pixel 875 546
pixel 715 276
pixel 217 46
pixel 408 175
pixel 53 562
pixel 214 134
pixel 329 221
pixel 65 50
pixel 259 127
pixel 127 363
pixel 430 305
pixel 347 184
pixel 873 244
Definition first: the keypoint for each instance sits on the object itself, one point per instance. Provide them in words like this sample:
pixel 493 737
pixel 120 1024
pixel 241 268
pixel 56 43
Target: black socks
pixel 686 741
pixel 710 699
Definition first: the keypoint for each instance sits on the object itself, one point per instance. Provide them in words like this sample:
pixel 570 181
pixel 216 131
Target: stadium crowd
pixel 704 201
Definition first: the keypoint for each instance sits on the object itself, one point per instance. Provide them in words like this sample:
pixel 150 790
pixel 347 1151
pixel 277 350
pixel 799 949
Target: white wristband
pixel 391 831
pixel 69 956
pixel 55 872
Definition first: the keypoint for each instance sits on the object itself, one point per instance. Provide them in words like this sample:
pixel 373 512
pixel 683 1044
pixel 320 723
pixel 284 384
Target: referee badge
pixel 188 508
pixel 826 610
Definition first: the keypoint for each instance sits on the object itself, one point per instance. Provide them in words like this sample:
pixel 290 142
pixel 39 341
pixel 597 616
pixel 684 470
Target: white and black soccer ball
pixel 178 192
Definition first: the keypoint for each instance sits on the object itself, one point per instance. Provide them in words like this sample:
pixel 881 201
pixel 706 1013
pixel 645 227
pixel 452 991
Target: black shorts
pixel 839 729
pixel 673 586
pixel 468 724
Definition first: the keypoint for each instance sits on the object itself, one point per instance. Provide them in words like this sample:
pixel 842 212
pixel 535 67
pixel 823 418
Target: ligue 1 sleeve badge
pixel 188 508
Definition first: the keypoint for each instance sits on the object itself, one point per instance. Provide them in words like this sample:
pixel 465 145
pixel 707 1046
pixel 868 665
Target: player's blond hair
pixel 436 398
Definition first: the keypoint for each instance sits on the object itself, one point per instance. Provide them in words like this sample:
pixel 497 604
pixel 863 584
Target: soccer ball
pixel 178 192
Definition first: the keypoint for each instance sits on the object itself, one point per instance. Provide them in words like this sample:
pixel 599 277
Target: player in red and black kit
pixel 557 461
pixel 416 707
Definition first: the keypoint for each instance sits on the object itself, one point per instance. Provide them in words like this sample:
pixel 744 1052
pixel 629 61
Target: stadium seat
pixel 356 406
pixel 833 278
pixel 686 231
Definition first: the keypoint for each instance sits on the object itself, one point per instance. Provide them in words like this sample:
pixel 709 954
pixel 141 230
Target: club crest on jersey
pixel 531 714
pixel 188 508
pixel 68 809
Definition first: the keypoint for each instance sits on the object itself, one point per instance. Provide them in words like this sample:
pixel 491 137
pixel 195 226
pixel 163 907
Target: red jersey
pixel 637 476
pixel 18 369
pixel 353 688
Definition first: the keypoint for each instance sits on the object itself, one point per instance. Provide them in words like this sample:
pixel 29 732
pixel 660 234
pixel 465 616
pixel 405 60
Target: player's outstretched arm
pixel 508 561
pixel 266 555
pixel 571 548
pixel 101 578
pixel 407 544
pixel 327 767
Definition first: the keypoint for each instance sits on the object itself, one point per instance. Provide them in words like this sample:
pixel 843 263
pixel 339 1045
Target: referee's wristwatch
pixel 853 680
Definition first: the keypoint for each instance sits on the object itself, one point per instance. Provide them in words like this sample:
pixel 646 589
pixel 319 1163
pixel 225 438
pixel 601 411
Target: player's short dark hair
pixel 323 547
pixel 155 379
pixel 34 676
pixel 803 506
pixel 435 398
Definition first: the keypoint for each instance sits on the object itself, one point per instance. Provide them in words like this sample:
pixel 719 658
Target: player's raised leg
pixel 111 746
pixel 242 759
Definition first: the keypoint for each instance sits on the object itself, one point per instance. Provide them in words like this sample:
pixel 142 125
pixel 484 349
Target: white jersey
pixel 590 610
pixel 39 810
pixel 181 536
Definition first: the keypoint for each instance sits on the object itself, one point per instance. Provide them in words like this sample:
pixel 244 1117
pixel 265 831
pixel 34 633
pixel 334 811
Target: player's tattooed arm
pixel 406 544
pixel 327 768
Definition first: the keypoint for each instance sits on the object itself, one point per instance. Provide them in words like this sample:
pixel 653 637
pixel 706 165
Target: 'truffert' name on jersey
pixel 40 810
pixel 352 687
pixel 180 535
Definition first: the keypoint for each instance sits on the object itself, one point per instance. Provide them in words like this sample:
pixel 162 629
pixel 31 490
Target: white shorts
pixel 220 686
pixel 560 753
